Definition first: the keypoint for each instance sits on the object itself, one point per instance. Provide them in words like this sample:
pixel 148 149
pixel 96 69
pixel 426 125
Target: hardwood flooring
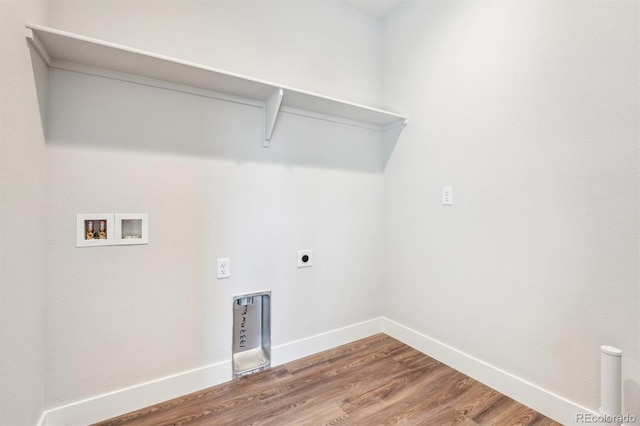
pixel 373 381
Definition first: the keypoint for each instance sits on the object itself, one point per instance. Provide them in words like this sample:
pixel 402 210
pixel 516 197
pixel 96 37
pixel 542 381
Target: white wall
pixel 530 111
pixel 119 316
pixel 323 46
pixel 22 194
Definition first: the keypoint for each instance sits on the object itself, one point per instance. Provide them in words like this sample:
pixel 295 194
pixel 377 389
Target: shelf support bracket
pixel 35 42
pixel 391 134
pixel 271 110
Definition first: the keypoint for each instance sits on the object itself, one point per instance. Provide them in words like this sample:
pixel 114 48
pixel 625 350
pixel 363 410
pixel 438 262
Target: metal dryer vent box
pixel 251 350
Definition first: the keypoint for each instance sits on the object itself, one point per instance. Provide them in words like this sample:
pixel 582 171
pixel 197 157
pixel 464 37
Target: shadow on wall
pixel 40 79
pixel 631 394
pixel 97 112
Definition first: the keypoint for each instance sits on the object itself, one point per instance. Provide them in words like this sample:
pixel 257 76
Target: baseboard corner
pixel 543 401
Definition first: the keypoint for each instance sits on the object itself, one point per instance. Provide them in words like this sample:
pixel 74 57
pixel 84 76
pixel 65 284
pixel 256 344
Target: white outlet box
pixel 224 268
pixel 305 258
pixel 131 228
pixel 447 196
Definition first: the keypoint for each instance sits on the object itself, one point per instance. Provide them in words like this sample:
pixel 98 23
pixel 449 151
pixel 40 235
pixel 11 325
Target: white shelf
pixel 60 49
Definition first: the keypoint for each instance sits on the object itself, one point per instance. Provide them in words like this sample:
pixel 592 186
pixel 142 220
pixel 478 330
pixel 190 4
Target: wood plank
pixel 409 401
pixel 506 411
pixel 442 416
pixel 476 399
pixel 317 413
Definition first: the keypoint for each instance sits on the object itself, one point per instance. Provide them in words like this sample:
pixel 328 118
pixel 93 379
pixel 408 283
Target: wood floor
pixel 370 382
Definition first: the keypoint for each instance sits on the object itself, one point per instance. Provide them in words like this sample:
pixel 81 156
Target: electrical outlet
pixel 224 269
pixel 304 258
pixel 447 196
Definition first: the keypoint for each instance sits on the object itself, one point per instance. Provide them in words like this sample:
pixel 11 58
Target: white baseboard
pixel 115 403
pixel 122 401
pixel 321 342
pixel 541 400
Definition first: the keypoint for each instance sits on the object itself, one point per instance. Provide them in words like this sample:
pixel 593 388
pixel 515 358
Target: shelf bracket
pixel 390 134
pixel 271 110
pixel 35 42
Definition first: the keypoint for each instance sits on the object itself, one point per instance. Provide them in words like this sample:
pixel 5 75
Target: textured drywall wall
pixel 529 110
pixel 119 316
pixel 22 194
pixel 322 46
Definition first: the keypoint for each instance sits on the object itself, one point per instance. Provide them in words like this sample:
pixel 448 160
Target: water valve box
pixel 95 229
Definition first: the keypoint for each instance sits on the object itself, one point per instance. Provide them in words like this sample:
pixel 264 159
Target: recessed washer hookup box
pixel 251 350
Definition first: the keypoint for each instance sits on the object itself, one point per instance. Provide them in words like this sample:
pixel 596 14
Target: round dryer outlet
pixel 304 258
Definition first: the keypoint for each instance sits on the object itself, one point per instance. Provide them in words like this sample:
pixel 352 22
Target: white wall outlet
pixel 224 268
pixel 305 258
pixel 447 196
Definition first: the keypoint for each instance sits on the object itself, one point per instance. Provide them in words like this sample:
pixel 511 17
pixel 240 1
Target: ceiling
pixel 377 8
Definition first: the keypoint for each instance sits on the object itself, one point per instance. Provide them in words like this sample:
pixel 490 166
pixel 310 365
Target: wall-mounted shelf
pixel 64 50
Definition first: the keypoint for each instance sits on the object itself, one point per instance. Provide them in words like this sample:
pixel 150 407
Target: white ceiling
pixel 377 8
